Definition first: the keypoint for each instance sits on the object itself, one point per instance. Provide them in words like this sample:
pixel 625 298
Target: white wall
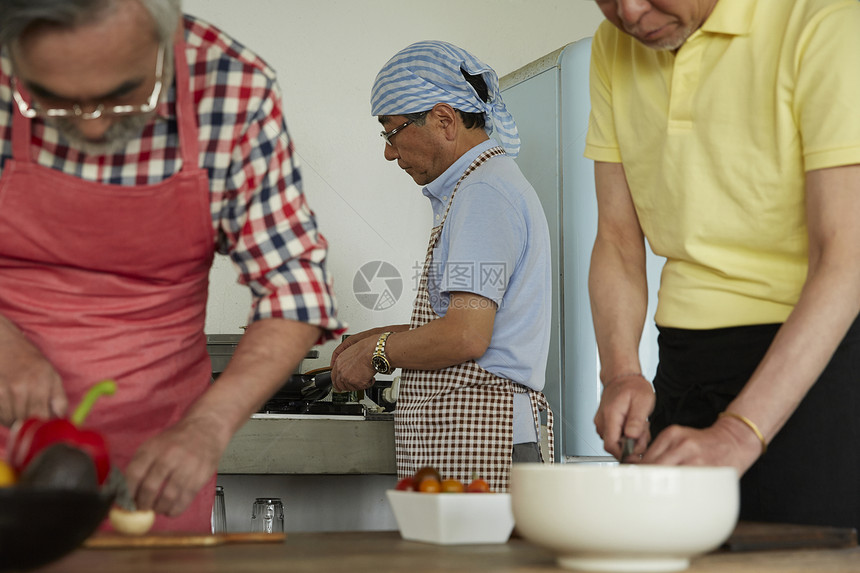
pixel 327 54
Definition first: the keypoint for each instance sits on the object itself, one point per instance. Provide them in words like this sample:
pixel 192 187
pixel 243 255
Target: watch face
pixel 380 364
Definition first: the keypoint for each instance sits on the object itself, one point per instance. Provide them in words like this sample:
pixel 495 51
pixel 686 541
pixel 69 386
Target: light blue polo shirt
pixel 495 243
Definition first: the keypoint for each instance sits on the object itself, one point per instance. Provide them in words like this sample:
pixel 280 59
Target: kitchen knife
pixel 117 485
pixel 627 445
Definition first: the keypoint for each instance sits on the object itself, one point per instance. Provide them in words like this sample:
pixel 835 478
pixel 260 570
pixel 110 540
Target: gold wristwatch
pixel 380 360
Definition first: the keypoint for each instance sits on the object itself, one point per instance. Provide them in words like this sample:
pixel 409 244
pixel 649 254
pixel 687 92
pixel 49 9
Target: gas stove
pixel 282 406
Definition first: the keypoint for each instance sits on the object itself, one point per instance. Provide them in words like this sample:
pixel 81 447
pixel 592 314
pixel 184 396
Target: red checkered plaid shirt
pixel 259 213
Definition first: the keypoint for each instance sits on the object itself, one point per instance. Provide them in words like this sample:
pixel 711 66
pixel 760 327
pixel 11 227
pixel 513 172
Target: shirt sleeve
pixel 268 229
pixel 828 87
pixel 600 142
pixel 486 236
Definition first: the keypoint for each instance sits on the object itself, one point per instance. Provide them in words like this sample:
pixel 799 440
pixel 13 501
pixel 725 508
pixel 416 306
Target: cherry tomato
pixel 406 484
pixel 452 486
pixel 426 472
pixel 430 485
pixel 478 485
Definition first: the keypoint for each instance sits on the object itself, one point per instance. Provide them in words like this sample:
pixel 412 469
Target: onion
pixel 131 522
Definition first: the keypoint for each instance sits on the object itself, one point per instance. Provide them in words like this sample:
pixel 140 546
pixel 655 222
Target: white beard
pixel 672 43
pixel 123 130
pixel 115 138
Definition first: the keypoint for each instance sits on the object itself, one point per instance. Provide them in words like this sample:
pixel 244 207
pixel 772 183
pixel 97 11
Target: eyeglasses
pixel 387 135
pixel 31 111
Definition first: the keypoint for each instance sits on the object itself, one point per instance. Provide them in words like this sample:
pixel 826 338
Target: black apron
pixel 811 471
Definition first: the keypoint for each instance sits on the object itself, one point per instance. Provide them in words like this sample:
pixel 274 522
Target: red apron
pixel 111 281
pixel 459 419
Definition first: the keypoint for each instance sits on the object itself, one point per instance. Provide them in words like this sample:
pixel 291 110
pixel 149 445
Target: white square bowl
pixel 453 518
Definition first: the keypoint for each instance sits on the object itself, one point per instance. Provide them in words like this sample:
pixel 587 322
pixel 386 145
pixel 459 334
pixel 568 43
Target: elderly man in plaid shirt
pixel 135 142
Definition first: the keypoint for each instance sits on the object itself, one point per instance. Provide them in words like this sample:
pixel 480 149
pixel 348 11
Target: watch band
pixel 380 359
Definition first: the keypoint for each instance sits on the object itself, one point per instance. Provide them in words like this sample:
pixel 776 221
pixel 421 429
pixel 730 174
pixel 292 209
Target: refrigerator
pixel 549 99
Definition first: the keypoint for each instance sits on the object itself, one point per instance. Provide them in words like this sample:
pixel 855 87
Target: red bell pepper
pixel 36 434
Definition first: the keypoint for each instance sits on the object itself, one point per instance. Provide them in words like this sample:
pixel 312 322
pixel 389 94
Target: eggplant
pixel 61 467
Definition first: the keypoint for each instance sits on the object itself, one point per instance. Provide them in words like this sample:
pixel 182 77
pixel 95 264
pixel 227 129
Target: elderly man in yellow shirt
pixel 727 133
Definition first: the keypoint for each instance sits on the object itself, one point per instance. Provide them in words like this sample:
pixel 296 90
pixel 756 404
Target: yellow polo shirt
pixel 715 142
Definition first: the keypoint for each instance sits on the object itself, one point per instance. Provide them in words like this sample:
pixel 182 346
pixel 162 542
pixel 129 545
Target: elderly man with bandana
pixel 474 354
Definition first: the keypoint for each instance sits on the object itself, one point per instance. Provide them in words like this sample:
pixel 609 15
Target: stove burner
pixel 281 406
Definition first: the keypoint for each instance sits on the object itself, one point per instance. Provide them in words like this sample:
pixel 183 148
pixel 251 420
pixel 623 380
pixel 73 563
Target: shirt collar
pixel 731 17
pixel 164 110
pixel 441 187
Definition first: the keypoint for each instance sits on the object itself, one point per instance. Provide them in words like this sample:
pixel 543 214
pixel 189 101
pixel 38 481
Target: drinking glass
pixel 219 512
pixel 267 515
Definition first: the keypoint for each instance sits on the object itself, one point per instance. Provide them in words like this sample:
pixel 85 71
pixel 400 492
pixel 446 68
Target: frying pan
pixel 38 526
pixel 309 387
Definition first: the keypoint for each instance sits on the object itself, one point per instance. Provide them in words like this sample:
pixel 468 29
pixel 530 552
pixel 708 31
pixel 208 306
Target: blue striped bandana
pixel 426 73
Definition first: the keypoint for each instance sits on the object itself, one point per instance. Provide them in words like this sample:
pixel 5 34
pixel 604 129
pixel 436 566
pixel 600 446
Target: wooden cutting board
pixel 755 536
pixel 178 539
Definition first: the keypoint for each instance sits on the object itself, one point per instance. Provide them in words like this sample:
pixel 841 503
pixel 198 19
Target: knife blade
pixel 117 485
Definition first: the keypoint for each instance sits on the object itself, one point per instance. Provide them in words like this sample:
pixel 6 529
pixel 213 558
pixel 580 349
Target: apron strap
pixel 539 404
pixel 21 134
pixel 492 152
pixel 186 116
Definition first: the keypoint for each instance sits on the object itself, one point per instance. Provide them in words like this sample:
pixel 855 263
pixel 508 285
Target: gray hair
pixel 16 16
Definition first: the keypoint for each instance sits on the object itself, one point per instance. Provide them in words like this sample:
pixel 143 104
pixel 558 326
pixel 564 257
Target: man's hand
pixel 463 334
pixel 726 443
pixel 351 367
pixel 169 469
pixel 353 339
pixel 29 384
pixel 624 408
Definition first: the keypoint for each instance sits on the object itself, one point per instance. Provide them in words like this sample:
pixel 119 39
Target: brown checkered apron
pixel 458 420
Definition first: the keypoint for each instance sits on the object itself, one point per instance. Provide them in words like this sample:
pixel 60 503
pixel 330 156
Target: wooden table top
pixel 385 551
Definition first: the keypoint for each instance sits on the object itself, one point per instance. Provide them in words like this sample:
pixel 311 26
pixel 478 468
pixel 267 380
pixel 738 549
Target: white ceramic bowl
pixel 452 518
pixel 624 517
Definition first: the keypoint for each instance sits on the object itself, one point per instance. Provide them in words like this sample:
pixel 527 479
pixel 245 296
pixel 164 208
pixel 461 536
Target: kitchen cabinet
pixel 386 552
pixel 330 472
pixel 311 445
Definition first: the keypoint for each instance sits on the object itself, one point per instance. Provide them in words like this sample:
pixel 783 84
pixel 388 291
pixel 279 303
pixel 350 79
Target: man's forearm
pixel 617 282
pixel 267 355
pixel 619 301
pixel 375 332
pixel 801 350
pixel 463 334
pixel 828 303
